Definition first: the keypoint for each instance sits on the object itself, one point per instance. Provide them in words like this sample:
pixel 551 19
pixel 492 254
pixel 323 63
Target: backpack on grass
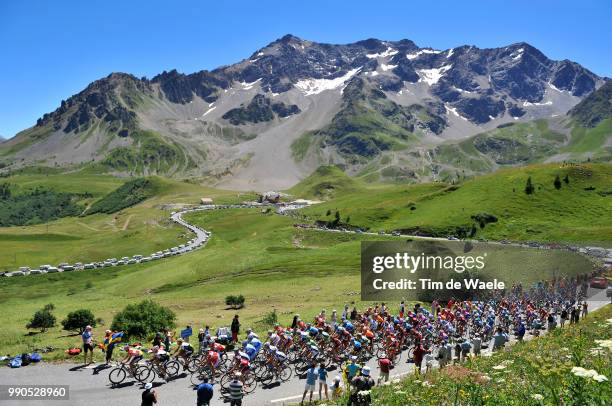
pixel 35 357
pixel 15 362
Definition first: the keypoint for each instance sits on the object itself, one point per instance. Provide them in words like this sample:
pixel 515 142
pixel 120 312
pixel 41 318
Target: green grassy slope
pixel 569 214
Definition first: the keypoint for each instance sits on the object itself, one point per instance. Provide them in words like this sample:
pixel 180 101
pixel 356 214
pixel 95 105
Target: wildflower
pixel 605 343
pixel 537 396
pixel 584 373
pixel 600 378
pixel 427 384
pixel 499 367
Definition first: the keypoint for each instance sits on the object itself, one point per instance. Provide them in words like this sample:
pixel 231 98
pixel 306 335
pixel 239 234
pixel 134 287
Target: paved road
pixel 90 386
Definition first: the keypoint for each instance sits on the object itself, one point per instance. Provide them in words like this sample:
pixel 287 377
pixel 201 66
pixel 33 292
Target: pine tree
pixel 557 182
pixel 529 189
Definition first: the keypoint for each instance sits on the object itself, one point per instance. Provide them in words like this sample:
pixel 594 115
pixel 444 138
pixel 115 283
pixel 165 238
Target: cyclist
pixel 183 350
pixel 160 356
pixel 133 356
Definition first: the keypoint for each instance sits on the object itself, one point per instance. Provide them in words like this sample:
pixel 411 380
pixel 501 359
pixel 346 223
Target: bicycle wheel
pixel 172 368
pixel 249 383
pixel 224 383
pixel 192 365
pixel 117 375
pixel 286 373
pixel 142 373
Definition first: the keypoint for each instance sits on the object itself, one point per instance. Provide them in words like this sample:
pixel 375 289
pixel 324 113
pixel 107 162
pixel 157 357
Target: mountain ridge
pixel 232 120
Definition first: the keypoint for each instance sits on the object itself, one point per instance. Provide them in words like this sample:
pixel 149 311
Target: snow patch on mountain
pixel 388 52
pixel 416 54
pixel 450 52
pixel 528 104
pixel 453 111
pixel 316 86
pixel 519 54
pixel 387 67
pixel 247 86
pixel 432 76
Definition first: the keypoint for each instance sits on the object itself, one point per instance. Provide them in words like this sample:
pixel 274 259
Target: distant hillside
pixel 578 210
pixel 594 108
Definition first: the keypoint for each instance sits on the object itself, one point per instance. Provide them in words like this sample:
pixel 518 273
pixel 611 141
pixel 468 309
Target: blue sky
pixel 51 50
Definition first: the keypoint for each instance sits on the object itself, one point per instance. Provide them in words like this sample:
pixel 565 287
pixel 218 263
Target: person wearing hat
pixel 362 382
pixel 149 395
pixel 205 393
pixel 110 347
pixel 235 390
pixel 336 388
pixel 87 337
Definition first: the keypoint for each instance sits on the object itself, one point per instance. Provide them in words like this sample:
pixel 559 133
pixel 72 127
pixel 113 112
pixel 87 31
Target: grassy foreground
pixel 570 366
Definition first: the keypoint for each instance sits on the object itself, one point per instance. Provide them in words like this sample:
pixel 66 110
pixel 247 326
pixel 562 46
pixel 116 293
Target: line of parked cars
pixel 196 242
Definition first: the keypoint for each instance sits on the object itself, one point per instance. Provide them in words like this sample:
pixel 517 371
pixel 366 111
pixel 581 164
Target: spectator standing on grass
pixel 205 393
pixel 585 308
pixel 87 337
pixel 520 333
pixel 235 328
pixel 149 395
pixel 336 388
pixel 345 312
pixel 477 343
pixel 466 347
pixel 235 390
pixel 108 335
pixel 563 317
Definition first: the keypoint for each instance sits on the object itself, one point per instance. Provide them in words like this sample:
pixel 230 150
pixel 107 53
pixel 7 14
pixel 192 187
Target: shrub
pixel 270 318
pixel 78 319
pixel 43 319
pixel 236 302
pixel 144 318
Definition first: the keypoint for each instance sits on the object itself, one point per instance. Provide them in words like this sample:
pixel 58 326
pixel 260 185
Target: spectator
pixel 205 393
pixel 466 347
pixel 311 380
pixel 235 328
pixel 499 339
pixel 235 390
pixel 149 395
pixel 585 308
pixel 520 333
pixel 563 317
pixel 201 339
pixel 87 337
pixel 361 383
pixel 323 381
pixel 336 388
pixel 418 355
pixel 384 364
pixel 477 343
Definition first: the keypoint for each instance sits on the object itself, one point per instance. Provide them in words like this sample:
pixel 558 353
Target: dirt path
pixel 127 222
pixel 87 226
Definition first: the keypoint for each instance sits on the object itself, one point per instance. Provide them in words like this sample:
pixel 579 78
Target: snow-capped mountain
pixel 270 119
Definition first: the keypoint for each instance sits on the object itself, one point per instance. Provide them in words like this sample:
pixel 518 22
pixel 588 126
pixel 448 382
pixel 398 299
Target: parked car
pixel 37 271
pixel 53 269
pixel 599 282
